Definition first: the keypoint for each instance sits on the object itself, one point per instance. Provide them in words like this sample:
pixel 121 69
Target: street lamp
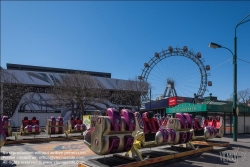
pixel 214 45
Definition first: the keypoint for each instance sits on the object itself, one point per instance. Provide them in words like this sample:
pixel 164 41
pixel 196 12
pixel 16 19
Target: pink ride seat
pixel 115 119
pixel 34 121
pixel 183 120
pixel 5 125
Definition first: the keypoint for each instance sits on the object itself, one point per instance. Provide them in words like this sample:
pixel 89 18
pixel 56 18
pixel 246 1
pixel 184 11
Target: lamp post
pixel 214 45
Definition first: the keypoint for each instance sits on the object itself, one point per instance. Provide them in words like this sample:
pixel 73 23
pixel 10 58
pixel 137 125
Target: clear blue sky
pixel 119 37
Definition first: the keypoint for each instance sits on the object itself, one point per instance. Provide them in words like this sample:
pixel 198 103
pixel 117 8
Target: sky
pixel 119 37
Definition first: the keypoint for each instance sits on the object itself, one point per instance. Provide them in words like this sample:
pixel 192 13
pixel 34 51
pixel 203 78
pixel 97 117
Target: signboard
pixel 187 108
pixel 157 104
pixel 173 101
pixel 86 119
pixel 39 111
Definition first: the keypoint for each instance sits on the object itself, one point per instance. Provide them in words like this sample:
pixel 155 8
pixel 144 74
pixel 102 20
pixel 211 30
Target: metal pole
pixel 150 98
pixel 235 122
pixel 235 117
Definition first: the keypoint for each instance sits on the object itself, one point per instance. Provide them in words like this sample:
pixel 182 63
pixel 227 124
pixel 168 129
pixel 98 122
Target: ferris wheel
pixel 176 72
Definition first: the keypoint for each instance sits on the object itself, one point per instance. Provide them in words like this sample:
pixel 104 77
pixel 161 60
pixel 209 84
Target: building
pixel 34 100
pixel 212 107
pixel 209 106
pixel 159 106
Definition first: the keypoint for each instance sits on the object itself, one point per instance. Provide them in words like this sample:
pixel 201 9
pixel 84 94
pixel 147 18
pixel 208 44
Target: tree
pixel 11 92
pixel 242 96
pixel 131 92
pixel 77 91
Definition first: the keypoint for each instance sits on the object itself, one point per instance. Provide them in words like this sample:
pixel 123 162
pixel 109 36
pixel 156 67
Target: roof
pixel 50 78
pixel 53 70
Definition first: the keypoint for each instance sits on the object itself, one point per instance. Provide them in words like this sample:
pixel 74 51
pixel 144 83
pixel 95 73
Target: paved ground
pixel 237 155
pixel 69 153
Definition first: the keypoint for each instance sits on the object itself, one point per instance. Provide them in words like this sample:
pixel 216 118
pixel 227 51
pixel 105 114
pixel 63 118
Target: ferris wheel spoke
pixel 178 65
pixel 187 78
pixel 187 90
pixel 158 72
pixel 187 72
pixel 190 75
pixel 183 93
pixel 190 81
pixel 187 86
pixel 157 76
pixel 181 67
pixel 165 72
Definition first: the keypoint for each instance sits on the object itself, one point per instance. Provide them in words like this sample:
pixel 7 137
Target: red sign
pixel 173 101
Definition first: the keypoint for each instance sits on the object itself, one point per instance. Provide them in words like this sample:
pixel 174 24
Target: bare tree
pixel 129 94
pixel 244 95
pixel 77 91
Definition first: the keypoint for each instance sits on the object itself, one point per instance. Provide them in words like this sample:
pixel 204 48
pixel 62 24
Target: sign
pixel 237 111
pixel 39 111
pixel 241 108
pixel 173 101
pixel 86 119
pixel 187 108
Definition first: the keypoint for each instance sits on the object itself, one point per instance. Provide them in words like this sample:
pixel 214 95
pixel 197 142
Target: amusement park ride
pixel 126 132
pixel 32 128
pixel 187 75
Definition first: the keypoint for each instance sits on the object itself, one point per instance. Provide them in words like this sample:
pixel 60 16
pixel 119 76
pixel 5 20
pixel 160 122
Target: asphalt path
pixel 70 153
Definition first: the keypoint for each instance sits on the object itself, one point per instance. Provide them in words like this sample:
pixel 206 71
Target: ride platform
pixel 211 143
pixel 152 156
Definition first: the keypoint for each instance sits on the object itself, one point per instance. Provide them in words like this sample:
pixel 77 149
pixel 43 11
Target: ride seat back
pixel 129 118
pixel 115 119
pixel 218 122
pixel 139 119
pixel 5 121
pixel 190 120
pixel 6 127
pixel 210 121
pixel 34 121
pixel 78 122
pixel 197 124
pixel 72 122
pixel 53 124
pixel 183 120
pixel 60 123
pixel 164 122
pixel 25 122
pixel 153 123
pixel 202 121
pixel 146 128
